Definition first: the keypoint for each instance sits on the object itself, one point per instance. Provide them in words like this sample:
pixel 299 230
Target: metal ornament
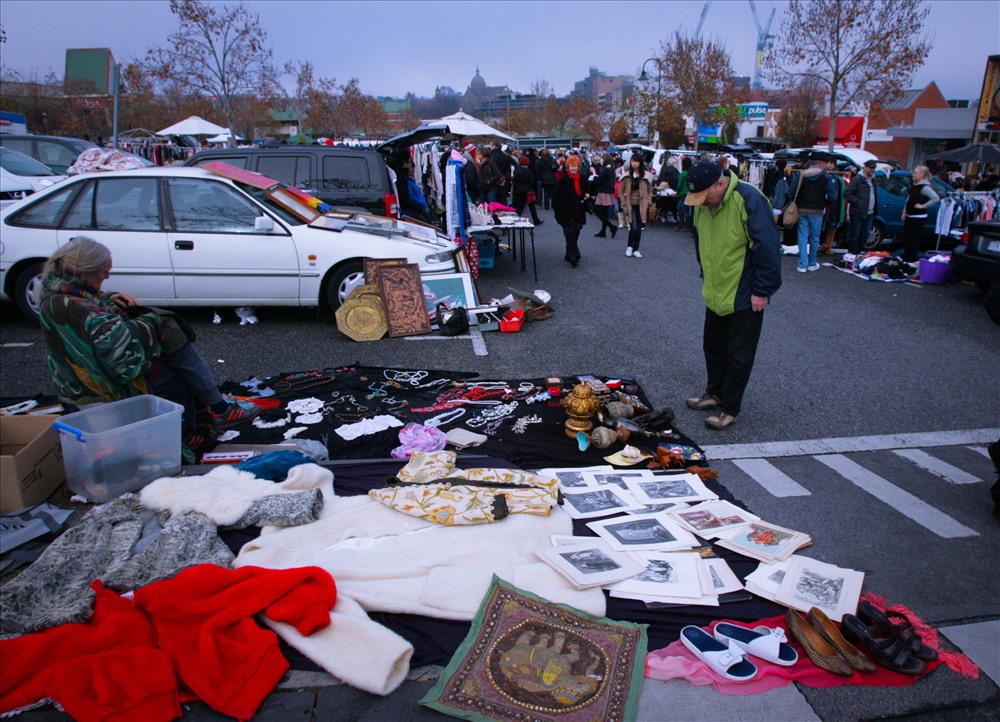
pixel 521 425
pixel 580 405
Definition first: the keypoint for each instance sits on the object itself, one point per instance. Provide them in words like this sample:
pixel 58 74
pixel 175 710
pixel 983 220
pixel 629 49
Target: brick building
pixel 899 113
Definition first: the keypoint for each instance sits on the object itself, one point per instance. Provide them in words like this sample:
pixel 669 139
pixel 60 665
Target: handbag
pixel 791 213
pixel 456 321
pixel 174 331
pixel 531 198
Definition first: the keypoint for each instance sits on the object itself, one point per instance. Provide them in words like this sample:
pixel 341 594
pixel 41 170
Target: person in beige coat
pixel 637 199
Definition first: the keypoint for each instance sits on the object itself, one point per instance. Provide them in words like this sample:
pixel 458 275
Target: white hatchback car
pixel 189 237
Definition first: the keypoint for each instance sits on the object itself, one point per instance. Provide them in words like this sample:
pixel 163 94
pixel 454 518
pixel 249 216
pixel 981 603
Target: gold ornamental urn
pixel 581 404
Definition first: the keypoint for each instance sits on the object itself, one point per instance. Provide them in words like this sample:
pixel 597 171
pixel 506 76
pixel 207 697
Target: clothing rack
pixel 960 196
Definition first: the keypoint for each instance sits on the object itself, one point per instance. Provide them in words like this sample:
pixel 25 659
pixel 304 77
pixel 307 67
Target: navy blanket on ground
pixel 435 640
pixel 347 389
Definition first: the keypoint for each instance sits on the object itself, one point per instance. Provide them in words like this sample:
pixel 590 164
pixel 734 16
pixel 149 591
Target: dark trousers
pixel 635 230
pixel 547 196
pixel 912 228
pixel 571 232
pixel 602 213
pixel 730 345
pixel 859 231
pixel 185 379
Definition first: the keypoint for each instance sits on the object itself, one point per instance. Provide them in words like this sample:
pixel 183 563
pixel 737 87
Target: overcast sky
pixel 396 47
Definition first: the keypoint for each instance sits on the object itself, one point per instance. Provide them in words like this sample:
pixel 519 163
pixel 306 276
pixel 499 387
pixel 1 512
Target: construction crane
pixel 701 21
pixel 764 41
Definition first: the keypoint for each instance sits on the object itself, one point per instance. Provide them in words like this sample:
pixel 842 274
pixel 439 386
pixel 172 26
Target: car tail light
pixel 391 208
pixel 965 237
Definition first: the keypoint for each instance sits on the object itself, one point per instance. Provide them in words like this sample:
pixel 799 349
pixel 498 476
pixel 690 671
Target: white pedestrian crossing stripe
pixel 936 466
pixel 771 478
pixel 904 502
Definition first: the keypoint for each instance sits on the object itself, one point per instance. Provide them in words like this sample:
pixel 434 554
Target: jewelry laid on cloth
pixel 302 381
pixel 349 432
pixel 308 405
pixel 521 425
pixel 261 423
pixel 543 396
pixel 483 417
pixel 294 431
pixel 446 418
pixel 413 378
pixel 521 392
pixel 378 389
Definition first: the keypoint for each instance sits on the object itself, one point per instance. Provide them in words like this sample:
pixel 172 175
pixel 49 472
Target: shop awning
pixel 939 124
pixel 848 134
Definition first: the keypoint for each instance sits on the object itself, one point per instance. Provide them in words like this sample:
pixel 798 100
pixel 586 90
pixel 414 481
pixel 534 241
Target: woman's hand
pixel 123 299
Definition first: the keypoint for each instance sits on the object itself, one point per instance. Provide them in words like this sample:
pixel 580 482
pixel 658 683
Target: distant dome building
pixel 479 93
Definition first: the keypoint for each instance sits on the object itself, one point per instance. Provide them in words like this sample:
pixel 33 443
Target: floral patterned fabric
pixel 430 487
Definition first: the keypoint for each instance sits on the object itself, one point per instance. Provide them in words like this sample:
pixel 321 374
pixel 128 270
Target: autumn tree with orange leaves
pixel 855 50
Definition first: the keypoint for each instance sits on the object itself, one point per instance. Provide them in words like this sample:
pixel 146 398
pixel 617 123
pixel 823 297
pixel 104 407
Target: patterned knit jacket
pixel 94 353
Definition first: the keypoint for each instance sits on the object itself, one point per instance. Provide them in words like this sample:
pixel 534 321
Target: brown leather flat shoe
pixel 828 631
pixel 822 654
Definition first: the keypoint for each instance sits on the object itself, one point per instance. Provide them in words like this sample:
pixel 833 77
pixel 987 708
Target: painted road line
pixel 478 343
pixel 940 468
pixel 902 501
pixel 850 444
pixel 777 482
pixel 981 449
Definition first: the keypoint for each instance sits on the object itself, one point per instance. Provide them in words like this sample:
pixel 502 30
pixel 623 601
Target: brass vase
pixel 580 405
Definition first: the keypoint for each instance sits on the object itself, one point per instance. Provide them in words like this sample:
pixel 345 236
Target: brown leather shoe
pixel 822 654
pixel 828 630
pixel 703 402
pixel 720 421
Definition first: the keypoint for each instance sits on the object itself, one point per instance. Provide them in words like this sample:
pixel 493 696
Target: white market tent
pixel 224 137
pixel 194 126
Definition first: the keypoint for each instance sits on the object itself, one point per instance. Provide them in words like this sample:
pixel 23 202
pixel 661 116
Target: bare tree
pixel 856 50
pixel 799 115
pixel 219 50
pixel 698 75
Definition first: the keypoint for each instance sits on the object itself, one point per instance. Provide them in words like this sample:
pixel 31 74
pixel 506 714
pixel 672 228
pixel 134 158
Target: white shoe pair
pixel 631 253
pixel 726 652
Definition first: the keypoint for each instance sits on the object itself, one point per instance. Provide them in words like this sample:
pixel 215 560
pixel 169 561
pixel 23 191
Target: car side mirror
pixel 263 223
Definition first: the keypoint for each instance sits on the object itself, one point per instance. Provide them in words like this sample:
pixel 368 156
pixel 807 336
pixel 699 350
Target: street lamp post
pixel 644 77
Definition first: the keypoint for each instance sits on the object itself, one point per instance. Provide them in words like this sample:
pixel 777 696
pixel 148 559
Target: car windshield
pixel 22 165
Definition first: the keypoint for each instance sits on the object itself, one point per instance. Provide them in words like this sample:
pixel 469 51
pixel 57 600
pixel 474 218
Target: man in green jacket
pixel 740 257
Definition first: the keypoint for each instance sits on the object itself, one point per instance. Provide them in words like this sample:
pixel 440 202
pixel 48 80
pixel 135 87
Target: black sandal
pixel 900 626
pixel 888 650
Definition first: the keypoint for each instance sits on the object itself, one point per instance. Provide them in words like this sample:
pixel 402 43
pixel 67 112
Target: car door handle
pixel 184 245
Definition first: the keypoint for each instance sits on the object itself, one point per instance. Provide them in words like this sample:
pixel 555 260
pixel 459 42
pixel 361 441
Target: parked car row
pixel 20 176
pixel 189 237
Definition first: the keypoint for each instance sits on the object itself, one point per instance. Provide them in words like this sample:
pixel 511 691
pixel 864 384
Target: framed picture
pixel 673 574
pixel 589 503
pixel 372 265
pixel 709 518
pixel 675 488
pixel 590 563
pixel 650 532
pixel 451 289
pixel 403 298
pixel 293 204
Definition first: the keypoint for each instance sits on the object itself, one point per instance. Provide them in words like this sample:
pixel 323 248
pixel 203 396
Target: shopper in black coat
pixel 569 200
pixel 524 183
pixel 547 167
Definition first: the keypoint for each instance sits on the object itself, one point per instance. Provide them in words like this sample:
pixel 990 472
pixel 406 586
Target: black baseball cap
pixel 870 163
pixel 703 175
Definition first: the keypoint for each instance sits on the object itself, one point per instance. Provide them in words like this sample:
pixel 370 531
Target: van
pixel 357 179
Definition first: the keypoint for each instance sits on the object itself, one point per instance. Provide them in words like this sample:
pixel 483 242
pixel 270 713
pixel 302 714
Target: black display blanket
pixel 435 640
pixel 350 394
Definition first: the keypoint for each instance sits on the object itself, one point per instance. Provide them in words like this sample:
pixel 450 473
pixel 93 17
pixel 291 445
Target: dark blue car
pixel 892 192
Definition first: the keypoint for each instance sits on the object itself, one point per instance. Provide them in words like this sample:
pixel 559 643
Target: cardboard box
pixel 31 465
